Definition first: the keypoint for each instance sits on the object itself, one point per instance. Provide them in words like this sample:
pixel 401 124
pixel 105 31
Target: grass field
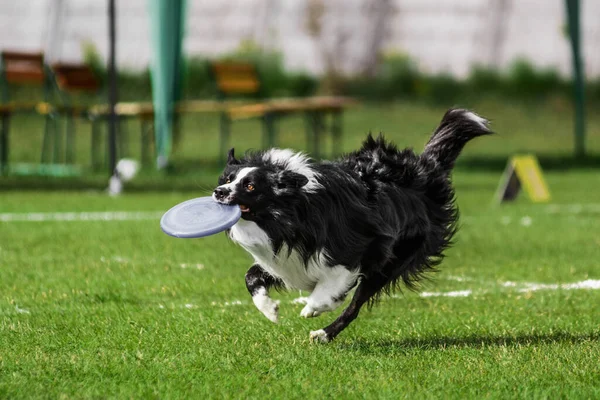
pixel 118 309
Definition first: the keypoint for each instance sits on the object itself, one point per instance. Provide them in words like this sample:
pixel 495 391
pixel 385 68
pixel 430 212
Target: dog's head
pixel 264 182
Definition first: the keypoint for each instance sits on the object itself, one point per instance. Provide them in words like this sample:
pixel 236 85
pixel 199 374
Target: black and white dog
pixel 375 218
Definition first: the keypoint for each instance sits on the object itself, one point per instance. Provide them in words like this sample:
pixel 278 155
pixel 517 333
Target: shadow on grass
pixel 433 343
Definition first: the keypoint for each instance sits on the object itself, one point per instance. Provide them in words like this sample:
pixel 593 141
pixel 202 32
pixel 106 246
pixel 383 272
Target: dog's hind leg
pixel 330 291
pixel 258 283
pixel 366 289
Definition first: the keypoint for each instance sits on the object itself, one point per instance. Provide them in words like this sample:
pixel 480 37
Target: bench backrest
pixel 233 78
pixel 75 77
pixel 20 67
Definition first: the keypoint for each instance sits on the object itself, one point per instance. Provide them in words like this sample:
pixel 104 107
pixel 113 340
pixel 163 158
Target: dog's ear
pixel 231 160
pixel 290 180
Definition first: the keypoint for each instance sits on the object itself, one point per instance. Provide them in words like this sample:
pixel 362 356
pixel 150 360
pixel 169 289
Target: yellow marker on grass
pixel 523 170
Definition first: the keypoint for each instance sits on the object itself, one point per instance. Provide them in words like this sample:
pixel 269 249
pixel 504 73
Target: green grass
pixel 106 310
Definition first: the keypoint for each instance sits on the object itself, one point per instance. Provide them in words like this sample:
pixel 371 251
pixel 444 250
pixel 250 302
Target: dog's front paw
pixel 267 306
pixel 319 336
pixel 309 312
pixel 314 309
pixel 272 311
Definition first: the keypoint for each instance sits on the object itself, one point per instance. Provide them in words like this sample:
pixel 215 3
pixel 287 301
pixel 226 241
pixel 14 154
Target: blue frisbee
pixel 198 218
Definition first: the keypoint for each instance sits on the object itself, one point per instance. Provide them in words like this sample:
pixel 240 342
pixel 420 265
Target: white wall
pixel 442 35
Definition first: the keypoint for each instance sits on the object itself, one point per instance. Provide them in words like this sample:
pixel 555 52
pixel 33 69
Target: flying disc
pixel 198 218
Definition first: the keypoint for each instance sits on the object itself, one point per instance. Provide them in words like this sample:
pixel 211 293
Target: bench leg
pixel 225 128
pixel 317 128
pixel 95 143
pixel 4 144
pixel 122 139
pixel 70 156
pixel 107 150
pixel 146 139
pixel 47 141
pixel 308 131
pixel 269 131
pixel 336 132
pixel 56 153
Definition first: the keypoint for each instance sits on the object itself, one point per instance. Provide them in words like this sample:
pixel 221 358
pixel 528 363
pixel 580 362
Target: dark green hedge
pixel 398 78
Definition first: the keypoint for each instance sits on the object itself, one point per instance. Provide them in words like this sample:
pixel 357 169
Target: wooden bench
pixel 22 68
pixel 71 80
pixel 242 79
pixel 232 81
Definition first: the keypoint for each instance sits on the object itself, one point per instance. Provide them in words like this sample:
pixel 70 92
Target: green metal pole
pixel 113 91
pixel 573 7
pixel 167 20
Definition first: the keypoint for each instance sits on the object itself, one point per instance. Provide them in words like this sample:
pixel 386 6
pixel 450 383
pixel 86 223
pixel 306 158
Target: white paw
pixel 271 311
pixel 319 336
pixel 266 305
pixel 309 312
pixel 314 309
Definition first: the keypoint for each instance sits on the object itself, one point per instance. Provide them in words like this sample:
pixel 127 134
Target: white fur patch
pixel 296 162
pixel 231 186
pixel 325 282
pixel 291 268
pixel 329 291
pixel 309 312
pixel 266 305
pixel 482 122
pixel 248 235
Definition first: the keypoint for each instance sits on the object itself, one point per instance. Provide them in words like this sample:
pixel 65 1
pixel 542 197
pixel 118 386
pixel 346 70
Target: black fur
pixel 388 213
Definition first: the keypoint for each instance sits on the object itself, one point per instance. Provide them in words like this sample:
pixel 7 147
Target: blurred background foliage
pixel 398 77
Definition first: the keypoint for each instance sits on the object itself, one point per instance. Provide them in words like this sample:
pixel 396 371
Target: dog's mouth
pixel 232 202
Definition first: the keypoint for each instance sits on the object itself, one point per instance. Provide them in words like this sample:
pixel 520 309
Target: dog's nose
pixel 220 193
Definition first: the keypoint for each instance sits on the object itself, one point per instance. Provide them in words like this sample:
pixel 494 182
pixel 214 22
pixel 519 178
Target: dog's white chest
pixel 288 267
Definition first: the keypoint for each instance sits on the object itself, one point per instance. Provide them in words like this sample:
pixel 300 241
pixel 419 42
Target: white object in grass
pixel 127 169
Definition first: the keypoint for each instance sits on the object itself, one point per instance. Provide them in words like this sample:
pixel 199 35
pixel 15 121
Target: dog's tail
pixel 457 127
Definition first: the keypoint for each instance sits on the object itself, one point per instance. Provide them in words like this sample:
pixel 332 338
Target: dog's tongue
pixel 244 208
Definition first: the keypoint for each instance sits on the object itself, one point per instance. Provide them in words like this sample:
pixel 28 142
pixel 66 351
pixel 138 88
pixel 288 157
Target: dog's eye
pixel 250 187
pixel 228 180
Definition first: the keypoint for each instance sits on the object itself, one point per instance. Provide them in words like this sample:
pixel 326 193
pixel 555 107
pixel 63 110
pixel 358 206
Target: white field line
pixel 82 216
pixel 455 293
pixel 457 278
pixel 589 284
pixel 227 303
pixel 21 310
pixel 573 208
pixel 521 287
pixel 192 266
pixel 152 215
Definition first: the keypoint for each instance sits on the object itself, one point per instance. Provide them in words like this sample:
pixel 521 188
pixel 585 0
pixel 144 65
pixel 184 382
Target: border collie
pixel 373 219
